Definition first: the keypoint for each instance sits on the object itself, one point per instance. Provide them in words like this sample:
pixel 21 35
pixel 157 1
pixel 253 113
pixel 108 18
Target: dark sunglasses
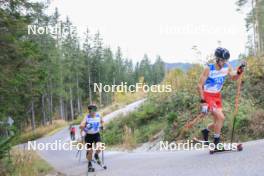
pixel 222 60
pixel 92 109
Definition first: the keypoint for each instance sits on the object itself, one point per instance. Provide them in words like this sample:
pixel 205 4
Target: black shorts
pixel 92 139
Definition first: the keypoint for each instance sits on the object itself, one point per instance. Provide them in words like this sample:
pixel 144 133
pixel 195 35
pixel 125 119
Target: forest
pixel 52 74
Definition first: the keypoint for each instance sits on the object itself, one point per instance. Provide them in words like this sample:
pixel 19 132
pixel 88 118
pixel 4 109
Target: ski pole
pixel 236 105
pixel 233 129
pixel 79 153
pixel 194 121
pixel 190 124
pixel 80 156
pixel 102 150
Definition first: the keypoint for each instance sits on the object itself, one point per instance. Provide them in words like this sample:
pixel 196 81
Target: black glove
pixel 202 101
pixel 101 128
pixel 241 68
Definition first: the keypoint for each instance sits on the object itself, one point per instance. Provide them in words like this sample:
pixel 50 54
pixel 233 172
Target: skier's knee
pixel 221 117
pixel 211 126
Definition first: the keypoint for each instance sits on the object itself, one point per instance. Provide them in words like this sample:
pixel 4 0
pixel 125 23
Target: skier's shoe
pixel 97 159
pixel 90 167
pixel 216 147
pixel 216 141
pixel 205 133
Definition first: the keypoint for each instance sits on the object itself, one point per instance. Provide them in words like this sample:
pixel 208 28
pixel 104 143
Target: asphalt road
pixel 249 162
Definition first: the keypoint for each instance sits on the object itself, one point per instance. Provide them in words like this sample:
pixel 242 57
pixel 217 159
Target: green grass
pixel 146 133
pixel 144 124
pixel 41 131
pixel 25 163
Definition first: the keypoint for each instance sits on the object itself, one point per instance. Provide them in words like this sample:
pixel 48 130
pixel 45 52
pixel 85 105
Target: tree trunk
pixel 113 94
pixel 255 41
pixel 90 91
pixel 43 110
pixel 71 104
pixel 78 95
pixel 51 108
pixel 66 111
pixel 62 109
pixel 33 123
pixel 81 107
pixel 100 98
pixel 51 103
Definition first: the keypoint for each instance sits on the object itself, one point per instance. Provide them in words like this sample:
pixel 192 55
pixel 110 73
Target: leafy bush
pixel 6 142
pixel 113 133
pixel 256 127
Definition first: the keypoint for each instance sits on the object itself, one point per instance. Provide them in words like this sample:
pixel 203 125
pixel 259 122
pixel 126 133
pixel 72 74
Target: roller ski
pixel 196 140
pixel 238 148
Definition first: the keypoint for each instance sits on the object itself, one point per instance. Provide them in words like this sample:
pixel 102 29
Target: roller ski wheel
pixel 239 148
pixel 91 169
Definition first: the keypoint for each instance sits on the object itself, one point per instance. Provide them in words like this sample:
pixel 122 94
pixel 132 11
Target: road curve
pixel 248 162
pixel 66 161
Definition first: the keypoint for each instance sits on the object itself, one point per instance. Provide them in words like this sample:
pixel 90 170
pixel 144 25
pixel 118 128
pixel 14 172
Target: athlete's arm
pixel 202 80
pixel 83 123
pixel 232 73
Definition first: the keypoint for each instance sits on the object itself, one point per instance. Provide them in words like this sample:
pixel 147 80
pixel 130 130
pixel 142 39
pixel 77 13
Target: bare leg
pixel 98 147
pixel 89 154
pixel 216 126
pixel 209 128
pixel 219 118
pixel 211 125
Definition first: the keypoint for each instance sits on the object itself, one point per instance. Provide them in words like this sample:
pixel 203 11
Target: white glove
pixel 204 108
